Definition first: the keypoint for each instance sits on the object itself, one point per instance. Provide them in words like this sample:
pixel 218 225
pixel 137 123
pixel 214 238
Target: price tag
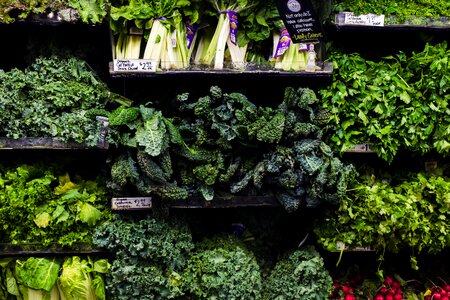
pixel 131 203
pixel 134 65
pixel 364 20
pixel 341 246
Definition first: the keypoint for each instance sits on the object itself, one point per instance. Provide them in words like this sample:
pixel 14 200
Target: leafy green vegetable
pixel 226 143
pixel 398 12
pixel 48 207
pixel 66 93
pixel 90 11
pixel 301 274
pixel 396 103
pixel 76 280
pixel 222 268
pixel 38 273
pixel 149 256
pixel 391 214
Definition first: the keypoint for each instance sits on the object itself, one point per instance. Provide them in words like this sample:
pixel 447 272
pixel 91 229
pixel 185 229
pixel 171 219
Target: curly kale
pixel 67 96
pixel 301 274
pixel 222 268
pixel 149 255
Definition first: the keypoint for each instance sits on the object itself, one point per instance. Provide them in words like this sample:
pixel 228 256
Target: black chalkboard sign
pixel 300 20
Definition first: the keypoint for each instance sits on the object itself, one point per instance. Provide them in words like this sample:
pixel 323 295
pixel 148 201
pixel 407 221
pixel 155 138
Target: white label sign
pixel 365 20
pixel 341 246
pixel 134 65
pixel 131 203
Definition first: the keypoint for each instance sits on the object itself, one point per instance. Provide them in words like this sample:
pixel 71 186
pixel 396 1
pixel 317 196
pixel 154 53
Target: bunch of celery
pixel 212 48
pixel 255 28
pixel 167 42
pixel 125 19
pixel 287 55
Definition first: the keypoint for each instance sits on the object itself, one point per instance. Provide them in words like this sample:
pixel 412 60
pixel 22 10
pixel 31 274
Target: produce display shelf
pixel 361 148
pixel 325 71
pixel 9 250
pixel 225 202
pixel 146 203
pixel 372 22
pixel 46 143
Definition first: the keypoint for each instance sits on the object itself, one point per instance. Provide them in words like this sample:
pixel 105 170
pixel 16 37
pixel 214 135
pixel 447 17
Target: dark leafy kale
pixel 223 143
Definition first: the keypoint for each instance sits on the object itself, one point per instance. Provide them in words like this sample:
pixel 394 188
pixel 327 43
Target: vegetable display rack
pixel 143 68
pixel 9 250
pixel 145 203
pixel 50 143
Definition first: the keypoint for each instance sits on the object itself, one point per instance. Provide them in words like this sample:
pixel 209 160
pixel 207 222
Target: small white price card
pixel 365 20
pixel 134 65
pixel 133 203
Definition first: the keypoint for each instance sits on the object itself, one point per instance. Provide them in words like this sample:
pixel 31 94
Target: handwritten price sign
pixel 131 203
pixel 134 65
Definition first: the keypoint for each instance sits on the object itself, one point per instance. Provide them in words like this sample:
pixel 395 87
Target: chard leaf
pixel 38 273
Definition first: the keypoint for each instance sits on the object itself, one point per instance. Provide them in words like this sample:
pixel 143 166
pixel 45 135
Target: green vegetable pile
pixel 399 12
pixel 88 11
pixel 225 144
pixel 397 103
pixel 53 97
pixel 392 214
pixel 43 205
pixel 42 278
pixel 222 268
pixel 149 254
pixel 299 275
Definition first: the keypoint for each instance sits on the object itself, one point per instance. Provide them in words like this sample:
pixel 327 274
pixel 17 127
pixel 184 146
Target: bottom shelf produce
pixel 53 278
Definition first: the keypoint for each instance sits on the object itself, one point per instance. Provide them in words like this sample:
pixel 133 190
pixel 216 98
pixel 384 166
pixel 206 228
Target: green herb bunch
pixel 391 214
pixel 397 103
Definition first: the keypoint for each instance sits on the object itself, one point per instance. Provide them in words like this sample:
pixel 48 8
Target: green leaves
pixel 412 214
pixel 46 211
pixel 300 274
pixel 395 103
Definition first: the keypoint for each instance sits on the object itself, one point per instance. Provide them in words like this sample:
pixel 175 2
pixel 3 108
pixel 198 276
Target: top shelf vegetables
pixel 204 35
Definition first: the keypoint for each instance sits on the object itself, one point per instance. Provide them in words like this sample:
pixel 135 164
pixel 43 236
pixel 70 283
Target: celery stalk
pixel 203 45
pixel 237 54
pixel 133 46
pixel 222 43
pixel 210 53
pixel 156 44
